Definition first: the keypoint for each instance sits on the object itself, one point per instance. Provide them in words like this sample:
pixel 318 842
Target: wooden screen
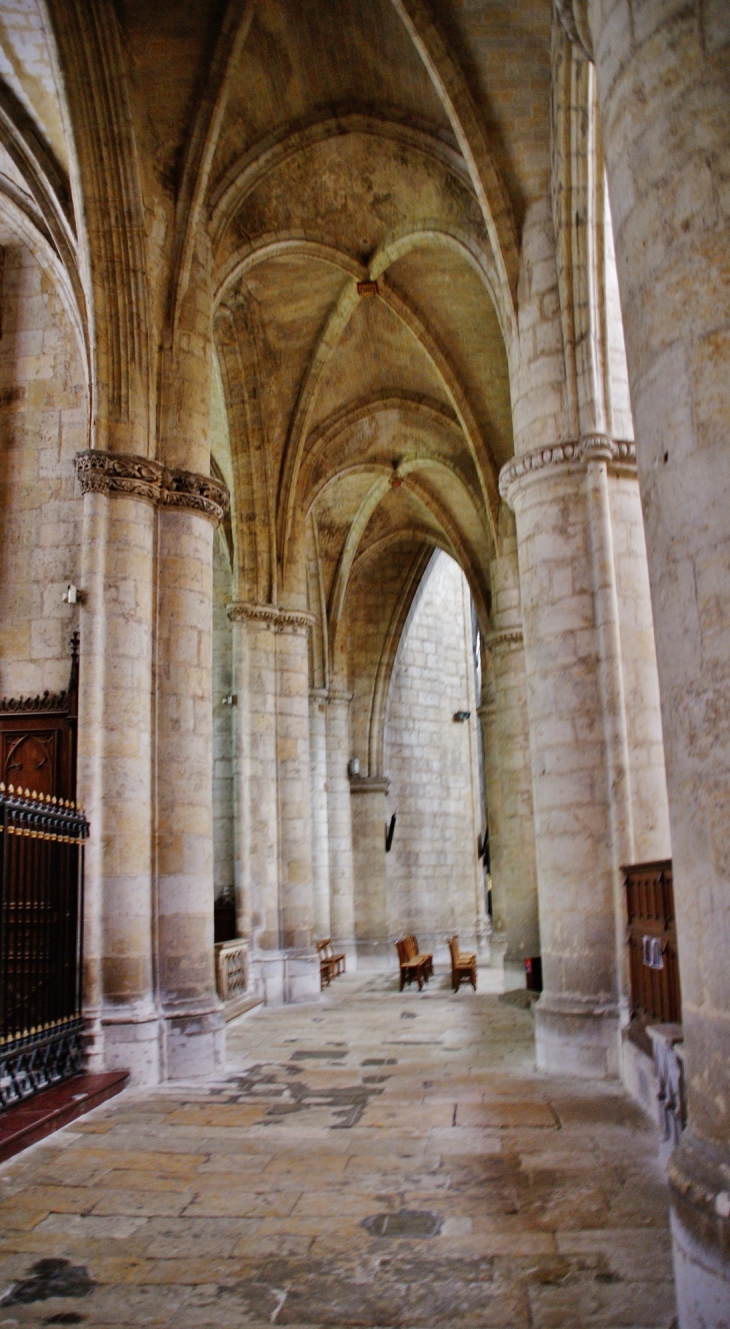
pixel 652 942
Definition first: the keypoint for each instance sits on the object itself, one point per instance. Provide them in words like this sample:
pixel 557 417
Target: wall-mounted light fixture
pixel 461 716
pixel 353 766
pixel 230 700
pixel 73 596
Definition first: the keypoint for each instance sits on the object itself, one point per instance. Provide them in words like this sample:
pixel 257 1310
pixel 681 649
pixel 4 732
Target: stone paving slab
pixel 352 1168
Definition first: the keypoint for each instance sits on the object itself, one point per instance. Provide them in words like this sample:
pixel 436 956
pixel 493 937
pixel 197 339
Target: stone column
pixel 517 891
pixel 257 816
pixel 274 798
pixel 577 808
pixel 301 971
pixel 487 712
pixel 193 1017
pixel 342 879
pixel 114 760
pixel 320 817
pixel 241 778
pixel 368 852
pixel 664 94
pixel 517 871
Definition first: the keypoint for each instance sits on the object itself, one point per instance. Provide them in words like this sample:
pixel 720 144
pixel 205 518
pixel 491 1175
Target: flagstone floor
pixel 379 1159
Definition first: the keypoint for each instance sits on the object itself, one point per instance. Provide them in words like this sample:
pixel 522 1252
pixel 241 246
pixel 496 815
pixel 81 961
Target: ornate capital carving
pixel 273 617
pixel 151 482
pixel 116 473
pixel 294 620
pixel 186 489
pixel 619 455
pixel 508 637
pixel 242 612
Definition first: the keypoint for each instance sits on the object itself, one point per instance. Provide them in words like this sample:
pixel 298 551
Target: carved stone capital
pixel 340 696
pixel 573 15
pixel 297 621
pixel 241 611
pixel 271 616
pixel 503 638
pixel 151 482
pixel 117 473
pixel 200 493
pixel 618 454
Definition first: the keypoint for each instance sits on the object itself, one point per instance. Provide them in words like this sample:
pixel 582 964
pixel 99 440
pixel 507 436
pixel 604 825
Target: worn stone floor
pixel 381 1159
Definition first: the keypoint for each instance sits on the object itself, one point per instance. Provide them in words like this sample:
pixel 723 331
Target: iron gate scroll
pixel 41 922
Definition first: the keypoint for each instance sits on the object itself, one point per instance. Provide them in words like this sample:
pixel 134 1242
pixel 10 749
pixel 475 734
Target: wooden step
pixel 32 1119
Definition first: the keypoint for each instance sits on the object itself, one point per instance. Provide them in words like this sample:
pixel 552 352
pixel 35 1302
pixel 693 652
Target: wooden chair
pixel 462 965
pixel 413 950
pixel 412 965
pixel 330 965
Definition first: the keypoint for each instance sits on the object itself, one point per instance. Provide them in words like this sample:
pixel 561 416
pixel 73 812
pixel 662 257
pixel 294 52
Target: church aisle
pixel 378 1159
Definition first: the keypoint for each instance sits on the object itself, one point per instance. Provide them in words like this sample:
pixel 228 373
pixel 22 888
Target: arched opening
pixel 435 878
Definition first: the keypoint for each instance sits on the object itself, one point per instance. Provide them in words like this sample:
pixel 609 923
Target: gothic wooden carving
pixel 38 738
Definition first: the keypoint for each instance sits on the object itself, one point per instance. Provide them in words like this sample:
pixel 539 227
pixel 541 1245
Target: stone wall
pixel 42 425
pixel 434 880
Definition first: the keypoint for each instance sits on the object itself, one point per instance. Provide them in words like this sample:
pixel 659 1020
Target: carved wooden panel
pixel 38 739
pixel 30 759
pixel 652 943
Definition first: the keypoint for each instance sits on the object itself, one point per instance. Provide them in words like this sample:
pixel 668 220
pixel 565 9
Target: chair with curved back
pixel 463 965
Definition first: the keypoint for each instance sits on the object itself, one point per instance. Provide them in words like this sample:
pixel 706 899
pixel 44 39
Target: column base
pixel 699 1182
pixel 285 977
pixel 132 1043
pixel 575 1040
pixel 195 1042
pixel 93 1041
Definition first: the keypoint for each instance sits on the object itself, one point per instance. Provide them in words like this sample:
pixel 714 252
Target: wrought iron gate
pixel 41 917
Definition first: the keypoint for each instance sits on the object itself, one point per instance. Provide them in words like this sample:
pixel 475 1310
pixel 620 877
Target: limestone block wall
pixel 435 883
pixel 43 424
pixel 223 830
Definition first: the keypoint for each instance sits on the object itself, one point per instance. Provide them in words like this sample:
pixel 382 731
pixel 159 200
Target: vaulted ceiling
pixel 360 171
